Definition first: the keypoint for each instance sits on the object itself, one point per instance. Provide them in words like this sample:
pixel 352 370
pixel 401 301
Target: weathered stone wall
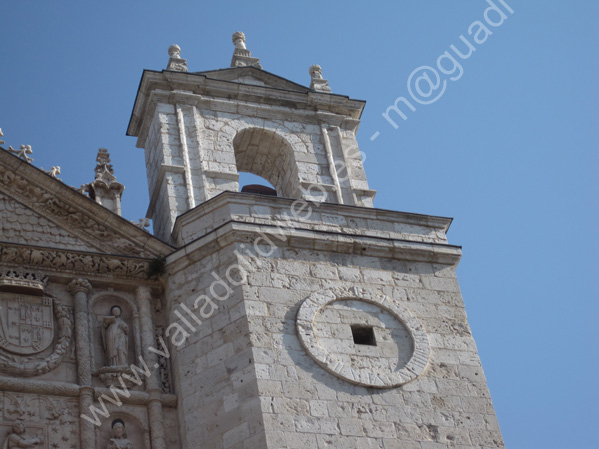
pixel 213 369
pixel 164 166
pixel 305 406
pixel 252 380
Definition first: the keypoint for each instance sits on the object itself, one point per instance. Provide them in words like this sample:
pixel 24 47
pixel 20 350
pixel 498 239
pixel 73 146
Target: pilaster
pixel 80 289
pixel 143 295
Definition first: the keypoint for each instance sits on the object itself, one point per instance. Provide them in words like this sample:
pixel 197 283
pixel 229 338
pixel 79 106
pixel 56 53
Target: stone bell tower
pixel 199 130
pixel 308 319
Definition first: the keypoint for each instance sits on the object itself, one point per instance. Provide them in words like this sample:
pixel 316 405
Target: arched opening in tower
pixel 250 183
pixel 268 155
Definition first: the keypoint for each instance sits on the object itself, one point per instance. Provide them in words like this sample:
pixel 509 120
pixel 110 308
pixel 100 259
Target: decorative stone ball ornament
pixel 239 39
pixel 315 71
pixel 175 62
pixel 242 57
pixel 174 51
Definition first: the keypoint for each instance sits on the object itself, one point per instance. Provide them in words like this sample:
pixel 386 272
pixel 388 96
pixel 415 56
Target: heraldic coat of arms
pixel 26 323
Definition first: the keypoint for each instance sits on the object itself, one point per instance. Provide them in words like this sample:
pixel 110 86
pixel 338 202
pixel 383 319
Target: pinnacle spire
pixel 105 189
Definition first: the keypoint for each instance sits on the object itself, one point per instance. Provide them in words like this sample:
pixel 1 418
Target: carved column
pixel 136 336
pixel 144 304
pixel 80 289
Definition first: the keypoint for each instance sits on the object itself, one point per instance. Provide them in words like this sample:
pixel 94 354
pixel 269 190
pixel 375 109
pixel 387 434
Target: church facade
pixel 294 317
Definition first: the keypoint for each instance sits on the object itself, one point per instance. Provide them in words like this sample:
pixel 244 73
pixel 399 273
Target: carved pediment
pixel 21 224
pixel 51 214
pixel 255 77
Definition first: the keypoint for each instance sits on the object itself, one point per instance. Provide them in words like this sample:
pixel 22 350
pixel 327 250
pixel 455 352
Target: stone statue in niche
pixel 119 438
pixel 115 338
pixel 17 438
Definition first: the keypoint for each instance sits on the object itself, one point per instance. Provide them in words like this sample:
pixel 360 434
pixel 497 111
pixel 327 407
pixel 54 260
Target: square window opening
pixel 363 335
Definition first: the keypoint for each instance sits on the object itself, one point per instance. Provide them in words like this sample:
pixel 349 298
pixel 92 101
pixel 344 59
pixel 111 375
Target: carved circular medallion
pixel 366 339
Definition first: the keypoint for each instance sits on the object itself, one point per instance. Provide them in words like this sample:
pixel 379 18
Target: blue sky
pixel 509 149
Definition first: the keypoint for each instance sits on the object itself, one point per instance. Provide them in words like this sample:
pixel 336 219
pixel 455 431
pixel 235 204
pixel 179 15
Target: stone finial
pixel 54 172
pixel 316 71
pixel 239 39
pixel 242 57
pixel 22 152
pixel 318 83
pixel 104 168
pixel 142 223
pixel 175 62
pixel 103 160
pixel 174 51
pixel 105 189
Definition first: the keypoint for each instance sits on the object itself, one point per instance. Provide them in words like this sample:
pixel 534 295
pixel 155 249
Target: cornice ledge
pixel 72 263
pixel 20 385
pixel 316 239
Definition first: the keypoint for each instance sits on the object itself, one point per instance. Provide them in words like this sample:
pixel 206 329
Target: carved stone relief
pixel 26 323
pixel 163 364
pixel 127 429
pixel 38 422
pixel 17 437
pixel 119 438
pixel 30 322
pixel 115 345
pixel 115 338
pixel 72 261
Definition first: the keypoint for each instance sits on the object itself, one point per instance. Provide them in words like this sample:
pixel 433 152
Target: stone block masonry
pixel 250 378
